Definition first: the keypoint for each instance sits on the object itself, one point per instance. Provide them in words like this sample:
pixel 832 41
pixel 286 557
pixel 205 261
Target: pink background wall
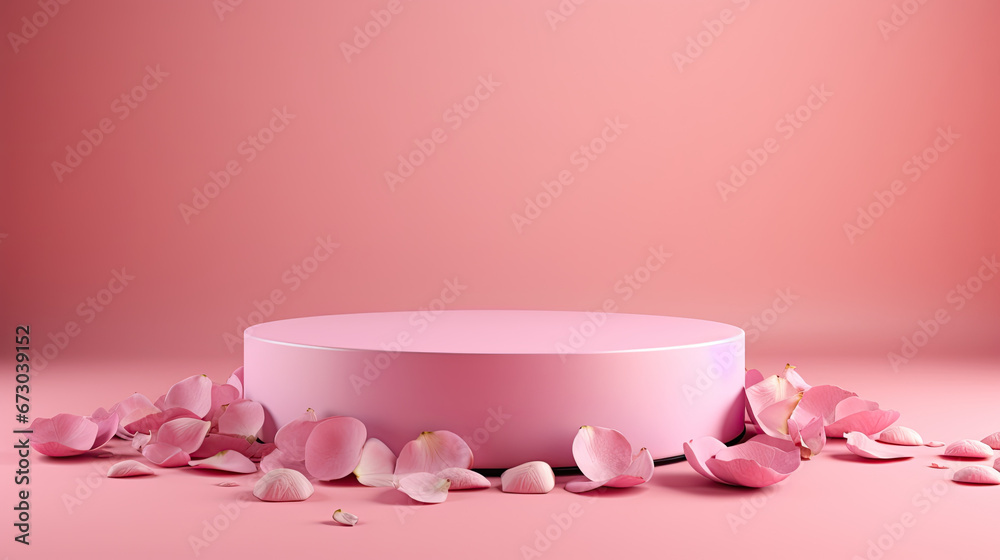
pixel 182 86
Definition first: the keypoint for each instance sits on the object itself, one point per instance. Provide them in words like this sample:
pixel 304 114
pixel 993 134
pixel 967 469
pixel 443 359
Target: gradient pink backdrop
pixel 222 74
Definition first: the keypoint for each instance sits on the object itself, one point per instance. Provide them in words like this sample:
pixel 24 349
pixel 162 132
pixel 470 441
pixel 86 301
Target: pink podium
pixel 516 385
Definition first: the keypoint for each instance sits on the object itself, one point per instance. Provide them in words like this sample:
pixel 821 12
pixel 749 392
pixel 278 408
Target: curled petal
pixel 794 378
pixel 811 437
pixel 128 405
pixel 243 418
pixel 934 443
pixel 773 420
pixel 584 485
pixel 771 402
pixel 432 452
pixel 752 378
pixel 278 459
pixel 138 421
pixel 969 448
pixel 464 479
pixel 855 414
pixel 821 401
pixel 698 451
pixel 236 380
pixel 222 395
pixel 187 434
pixel 624 481
pixel 424 487
pixel 215 443
pixel 283 485
pixel 140 440
pixel 601 453
pixel 761 461
pixel 193 393
pixel 166 455
pixel 107 426
pixel 63 435
pixel 533 477
pixel 641 466
pixel 344 518
pixel 993 440
pixel 128 468
pixel 376 465
pixel 977 474
pixel 863 446
pixel 900 435
pixel 333 449
pixel 229 461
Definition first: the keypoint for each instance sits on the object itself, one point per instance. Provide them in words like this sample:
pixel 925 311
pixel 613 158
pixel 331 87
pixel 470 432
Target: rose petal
pixel 227 484
pixel 126 406
pixel 464 479
pixel 107 426
pixel 601 453
pixel 579 485
pixel 236 380
pixel 128 468
pixel 230 461
pixel 187 434
pixel 376 465
pixel 243 418
pixel 773 420
pixel 996 464
pixel 934 444
pixel 424 487
pixel 166 455
pixel 193 393
pixel 855 414
pixel 432 452
pixel 969 448
pixel 291 438
pixel 937 466
pixel 811 438
pixel 138 421
pixel 344 518
pixel 977 474
pixel 641 466
pixel 752 378
pixel 283 485
pixel 63 435
pixel 794 378
pixel 624 481
pixel 700 450
pixel 140 440
pixel 820 401
pixel 333 449
pixel 993 440
pixel 215 443
pixel 771 402
pixel 900 435
pixel 533 477
pixel 278 459
pixel 863 446
pixel 222 395
pixel 761 461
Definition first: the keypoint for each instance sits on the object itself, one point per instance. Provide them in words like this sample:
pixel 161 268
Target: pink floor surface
pixel 835 506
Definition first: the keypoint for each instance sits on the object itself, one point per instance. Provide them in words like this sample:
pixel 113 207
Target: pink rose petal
pixel 624 481
pixel 937 466
pixel 236 380
pixel 641 466
pixel 464 479
pixel 283 485
pixel 107 426
pixel 794 378
pixel 187 434
pixel 820 401
pixel 977 474
pixel 934 444
pixel 222 395
pixel 761 461
pixel 63 435
pixel 811 438
pixel 229 461
pixel 863 446
pixel 278 459
pixel 193 393
pixel 993 440
pixel 333 449
pixel 579 485
pixel 855 414
pixel 138 422
pixel 432 452
pixel 969 448
pixel 698 451
pixel 601 453
pixel 215 443
pixel 996 464
pixel 140 440
pixel 243 418
pixel 424 487
pixel 900 435
pixel 376 465
pixel 166 455
pixel 752 378
pixel 533 477
pixel 126 406
pixel 771 402
pixel 291 438
pixel 128 468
